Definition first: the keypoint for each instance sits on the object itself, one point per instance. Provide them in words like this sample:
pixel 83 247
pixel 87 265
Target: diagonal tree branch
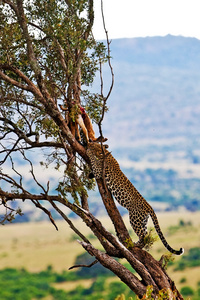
pixel 47 212
pixel 30 85
pixel 123 273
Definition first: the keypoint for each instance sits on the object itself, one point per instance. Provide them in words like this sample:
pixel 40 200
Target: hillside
pixel 154 117
pixel 156 92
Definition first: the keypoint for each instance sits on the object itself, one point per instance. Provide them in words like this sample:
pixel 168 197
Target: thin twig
pixel 13 168
pixel 69 222
pixel 32 173
pixel 105 98
pixel 84 266
pixel 37 204
pixel 108 45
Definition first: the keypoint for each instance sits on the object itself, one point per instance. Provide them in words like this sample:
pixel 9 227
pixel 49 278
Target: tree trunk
pixel 149 269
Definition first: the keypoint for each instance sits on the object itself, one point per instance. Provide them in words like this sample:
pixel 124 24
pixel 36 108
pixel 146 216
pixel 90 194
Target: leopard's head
pixel 96 155
pixel 96 150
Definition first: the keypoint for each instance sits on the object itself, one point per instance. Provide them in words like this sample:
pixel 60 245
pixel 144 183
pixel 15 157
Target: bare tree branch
pixel 27 196
pixel 69 222
pixel 124 274
pixel 84 266
pixel 29 87
pixel 109 57
pixel 23 136
pixel 37 204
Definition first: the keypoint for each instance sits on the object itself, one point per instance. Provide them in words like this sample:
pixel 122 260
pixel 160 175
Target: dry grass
pixel 192 277
pixel 71 285
pixel 37 245
pixel 34 246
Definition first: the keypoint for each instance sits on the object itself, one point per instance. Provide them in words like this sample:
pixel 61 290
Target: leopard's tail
pixel 165 243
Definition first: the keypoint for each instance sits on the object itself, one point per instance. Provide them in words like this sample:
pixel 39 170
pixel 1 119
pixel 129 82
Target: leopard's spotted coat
pixel 125 193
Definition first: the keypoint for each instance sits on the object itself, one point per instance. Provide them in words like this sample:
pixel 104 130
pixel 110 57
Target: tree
pixel 49 57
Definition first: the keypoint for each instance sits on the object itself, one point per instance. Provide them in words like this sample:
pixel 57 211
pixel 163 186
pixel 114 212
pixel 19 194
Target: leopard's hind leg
pixel 139 224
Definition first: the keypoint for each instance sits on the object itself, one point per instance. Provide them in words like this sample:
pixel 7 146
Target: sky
pixel 141 18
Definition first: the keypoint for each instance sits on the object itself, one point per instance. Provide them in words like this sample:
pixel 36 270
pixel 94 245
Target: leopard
pixel 104 165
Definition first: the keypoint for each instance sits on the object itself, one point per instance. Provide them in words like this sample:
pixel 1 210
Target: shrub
pixel 187 291
pixel 183 280
pixel 94 271
pixel 192 259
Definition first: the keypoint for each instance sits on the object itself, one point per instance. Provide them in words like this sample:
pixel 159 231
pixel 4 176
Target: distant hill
pixel 153 125
pixel 157 90
pixel 170 51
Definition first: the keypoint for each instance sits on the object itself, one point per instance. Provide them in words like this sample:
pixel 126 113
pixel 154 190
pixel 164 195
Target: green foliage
pixel 150 238
pixel 76 185
pixel 167 260
pixel 162 295
pixel 122 297
pixel 129 243
pixel 189 260
pixel 183 280
pixel 93 272
pixel 148 294
pixel 16 283
pixel 94 105
pixel 23 285
pixel 118 290
pixel 187 291
pixel 10 214
pixel 63 45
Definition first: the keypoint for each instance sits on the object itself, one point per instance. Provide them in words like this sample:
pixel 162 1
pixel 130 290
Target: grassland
pixel 34 246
